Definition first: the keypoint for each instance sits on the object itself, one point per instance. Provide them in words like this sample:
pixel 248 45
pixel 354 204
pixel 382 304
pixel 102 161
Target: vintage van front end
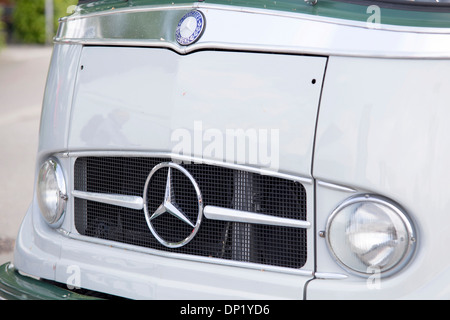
pixel 244 150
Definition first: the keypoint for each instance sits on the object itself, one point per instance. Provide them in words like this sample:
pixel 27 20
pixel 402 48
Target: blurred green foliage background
pixel 2 30
pixel 27 19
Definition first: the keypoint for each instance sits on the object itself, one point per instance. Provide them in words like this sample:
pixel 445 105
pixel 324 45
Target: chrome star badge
pixel 190 28
pixel 168 205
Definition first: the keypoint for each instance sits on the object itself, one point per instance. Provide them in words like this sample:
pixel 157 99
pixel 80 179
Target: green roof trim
pixel 407 15
pixel 14 286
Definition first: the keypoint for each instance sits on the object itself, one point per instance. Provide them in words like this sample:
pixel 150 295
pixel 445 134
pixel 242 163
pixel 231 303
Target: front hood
pixel 243 108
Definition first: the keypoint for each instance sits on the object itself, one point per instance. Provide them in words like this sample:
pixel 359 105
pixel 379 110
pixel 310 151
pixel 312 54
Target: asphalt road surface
pixel 23 72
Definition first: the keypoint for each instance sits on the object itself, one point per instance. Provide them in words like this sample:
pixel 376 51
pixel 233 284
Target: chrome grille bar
pixel 224 214
pixel 130 202
pixel 210 212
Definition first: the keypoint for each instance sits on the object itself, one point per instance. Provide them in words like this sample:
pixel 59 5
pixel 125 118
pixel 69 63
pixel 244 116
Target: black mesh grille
pixel 223 187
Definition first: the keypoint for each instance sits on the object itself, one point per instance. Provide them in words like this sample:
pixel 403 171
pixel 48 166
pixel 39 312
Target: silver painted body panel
pixel 390 138
pixel 381 128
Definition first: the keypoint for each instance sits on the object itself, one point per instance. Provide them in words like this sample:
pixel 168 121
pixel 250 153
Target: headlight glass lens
pixel 368 234
pixel 51 191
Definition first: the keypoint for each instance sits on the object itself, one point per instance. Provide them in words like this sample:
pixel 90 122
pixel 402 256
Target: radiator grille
pixel 222 187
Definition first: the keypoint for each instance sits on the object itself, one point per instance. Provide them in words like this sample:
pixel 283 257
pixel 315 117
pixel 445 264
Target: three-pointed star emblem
pixel 168 206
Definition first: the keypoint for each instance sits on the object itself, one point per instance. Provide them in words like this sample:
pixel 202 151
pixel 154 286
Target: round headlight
pixel 51 191
pixel 368 234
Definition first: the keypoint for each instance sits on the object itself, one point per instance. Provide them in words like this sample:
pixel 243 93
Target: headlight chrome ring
pixel 51 192
pixel 370 233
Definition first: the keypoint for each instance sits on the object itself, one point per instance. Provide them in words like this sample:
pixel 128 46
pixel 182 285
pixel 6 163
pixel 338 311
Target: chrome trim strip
pixel 150 43
pixel 330 276
pixel 224 214
pixel 76 15
pixel 182 256
pixel 177 158
pixel 277 13
pixel 334 186
pixel 154 26
pixel 130 202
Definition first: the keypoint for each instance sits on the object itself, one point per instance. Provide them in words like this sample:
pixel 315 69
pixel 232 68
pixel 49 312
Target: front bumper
pixel 14 286
pixel 137 275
